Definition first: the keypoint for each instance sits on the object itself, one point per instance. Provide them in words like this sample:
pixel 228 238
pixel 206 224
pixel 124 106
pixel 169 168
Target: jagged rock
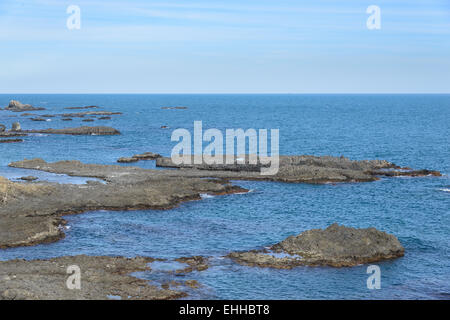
pixel 17 106
pixel 336 246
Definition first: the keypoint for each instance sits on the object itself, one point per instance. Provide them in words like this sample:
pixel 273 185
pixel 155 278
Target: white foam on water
pixel 206 196
pixel 445 189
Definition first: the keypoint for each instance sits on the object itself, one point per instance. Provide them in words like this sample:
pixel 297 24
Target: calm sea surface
pixel 409 130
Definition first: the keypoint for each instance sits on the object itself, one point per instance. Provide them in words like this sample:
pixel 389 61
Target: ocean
pixel 409 130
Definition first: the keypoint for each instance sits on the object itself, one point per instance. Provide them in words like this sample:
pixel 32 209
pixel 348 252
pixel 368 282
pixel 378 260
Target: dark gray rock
pixel 336 246
pixel 17 106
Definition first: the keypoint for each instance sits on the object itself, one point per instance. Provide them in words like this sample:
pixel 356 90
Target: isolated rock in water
pixel 16 127
pixel 138 157
pixel 87 107
pixel 174 108
pixel 147 156
pixel 2 128
pixel 99 131
pixel 127 160
pixel 17 106
pixel 29 178
pixel 38 119
pixel 11 140
pixel 336 246
pixel 104 118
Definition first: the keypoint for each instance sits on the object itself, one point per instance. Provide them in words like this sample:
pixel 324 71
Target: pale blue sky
pixel 229 46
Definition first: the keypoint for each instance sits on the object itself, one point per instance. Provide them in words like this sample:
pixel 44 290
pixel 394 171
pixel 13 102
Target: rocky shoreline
pixel 33 213
pixel 102 278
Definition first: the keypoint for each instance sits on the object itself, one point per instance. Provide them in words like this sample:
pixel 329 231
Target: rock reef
pixel 84 130
pixel 32 213
pixel 17 106
pixel 335 246
pixel 102 278
pixel 299 169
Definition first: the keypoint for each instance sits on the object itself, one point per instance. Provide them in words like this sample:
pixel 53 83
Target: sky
pixel 229 46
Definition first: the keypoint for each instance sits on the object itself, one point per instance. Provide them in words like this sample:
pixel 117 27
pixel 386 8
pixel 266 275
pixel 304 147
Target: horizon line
pixel 230 93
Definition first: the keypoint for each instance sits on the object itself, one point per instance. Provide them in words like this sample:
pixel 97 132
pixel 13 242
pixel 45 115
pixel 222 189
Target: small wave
pixel 445 189
pixel 206 196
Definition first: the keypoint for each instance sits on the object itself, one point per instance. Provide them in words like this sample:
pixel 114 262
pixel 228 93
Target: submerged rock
pixel 29 178
pixel 2 128
pixel 17 106
pixel 174 108
pixel 11 140
pixel 335 246
pixel 87 107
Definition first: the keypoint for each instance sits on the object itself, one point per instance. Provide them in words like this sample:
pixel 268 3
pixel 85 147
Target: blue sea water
pixel 409 130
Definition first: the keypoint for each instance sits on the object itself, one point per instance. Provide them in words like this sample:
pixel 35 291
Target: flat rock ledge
pixel 102 278
pixel 94 131
pixel 335 246
pixel 31 213
pixel 299 169
pixel 139 157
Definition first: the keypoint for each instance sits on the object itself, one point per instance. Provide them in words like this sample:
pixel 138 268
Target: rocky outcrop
pixel 138 157
pixel 127 160
pixel 17 106
pixel 2 128
pixel 335 246
pixel 102 278
pixel 298 169
pixel 32 213
pixel 11 140
pixel 174 108
pixel 97 131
